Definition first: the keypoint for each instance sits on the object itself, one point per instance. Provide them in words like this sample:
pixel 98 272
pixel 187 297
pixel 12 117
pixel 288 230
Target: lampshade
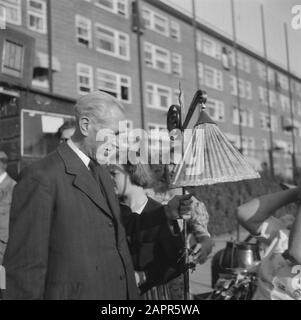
pixel 210 158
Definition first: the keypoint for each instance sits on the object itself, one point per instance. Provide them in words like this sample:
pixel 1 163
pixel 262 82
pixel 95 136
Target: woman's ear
pixel 84 125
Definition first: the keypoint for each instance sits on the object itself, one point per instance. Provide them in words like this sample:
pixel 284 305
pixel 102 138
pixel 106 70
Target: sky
pixel 217 14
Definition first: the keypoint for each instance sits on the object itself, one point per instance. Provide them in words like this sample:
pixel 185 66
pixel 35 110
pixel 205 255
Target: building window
pixel 210 77
pixel 216 110
pixel 297 107
pixel 261 71
pixel 273 99
pixel 157 57
pixel 178 98
pixel 209 46
pixel 13 11
pixel 119 7
pixel 247 65
pixel 112 42
pixel 115 84
pixel 297 88
pixel 83 31
pixel 176 62
pixel 248 90
pixel 283 81
pixel 158 97
pixel 2 18
pixel 284 102
pixel 246 116
pixel 225 59
pixel 147 18
pixel 158 133
pixel 84 78
pixel 13 56
pixel 155 22
pixel 248 145
pixel 240 61
pixel 175 31
pixel 36 15
pixel 161 24
pixel 263 95
pixel 265 122
pixel 245 88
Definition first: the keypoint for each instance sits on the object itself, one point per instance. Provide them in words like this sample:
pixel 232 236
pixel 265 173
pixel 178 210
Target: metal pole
pixel 196 56
pixel 271 157
pixel 291 106
pixel 237 76
pixel 49 41
pixel 140 64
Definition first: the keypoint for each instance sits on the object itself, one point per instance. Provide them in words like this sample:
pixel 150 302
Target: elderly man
pixel 6 189
pixel 66 236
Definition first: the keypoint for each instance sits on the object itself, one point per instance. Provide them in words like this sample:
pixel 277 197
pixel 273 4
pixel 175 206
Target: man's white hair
pixel 97 105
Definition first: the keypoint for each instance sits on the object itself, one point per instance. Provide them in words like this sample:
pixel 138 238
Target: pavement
pixel 200 279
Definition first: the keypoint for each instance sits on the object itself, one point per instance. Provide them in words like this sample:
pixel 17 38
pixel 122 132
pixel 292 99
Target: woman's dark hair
pixel 140 175
pixel 68 124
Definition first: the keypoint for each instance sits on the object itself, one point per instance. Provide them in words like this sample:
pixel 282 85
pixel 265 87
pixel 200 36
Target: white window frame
pixel 36 112
pixel 248 90
pixel 274 122
pixel 176 93
pixel 152 63
pixel 247 64
pixel 89 76
pixel 151 26
pixel 175 30
pixel 116 40
pixel 81 19
pixel 17 6
pixel 156 104
pixel 115 9
pixel 42 15
pixel 8 69
pixel 262 94
pixel 118 83
pixel 157 126
pixel 216 49
pixel 177 59
pixel 219 110
pixel 284 102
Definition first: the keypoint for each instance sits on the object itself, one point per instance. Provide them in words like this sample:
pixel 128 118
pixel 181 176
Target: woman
pixel 155 251
pixel 279 276
pixel 199 240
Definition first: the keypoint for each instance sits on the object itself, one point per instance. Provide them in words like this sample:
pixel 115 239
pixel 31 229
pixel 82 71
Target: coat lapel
pixel 106 180
pixel 83 180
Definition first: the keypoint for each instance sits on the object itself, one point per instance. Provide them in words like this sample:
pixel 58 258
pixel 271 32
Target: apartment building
pixel 95 46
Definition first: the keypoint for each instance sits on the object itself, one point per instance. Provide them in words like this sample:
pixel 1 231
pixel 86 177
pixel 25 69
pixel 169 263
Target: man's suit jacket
pixel 66 237
pixel 6 191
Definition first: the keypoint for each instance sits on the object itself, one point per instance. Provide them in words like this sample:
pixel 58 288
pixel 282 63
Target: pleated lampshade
pixel 210 158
